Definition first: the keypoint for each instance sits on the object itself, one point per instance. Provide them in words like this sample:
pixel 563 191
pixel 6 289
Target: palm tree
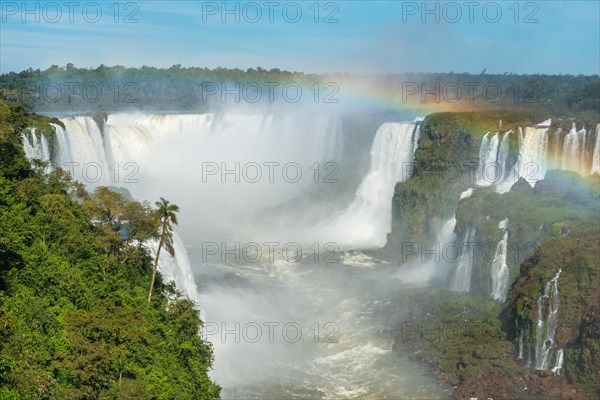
pixel 167 214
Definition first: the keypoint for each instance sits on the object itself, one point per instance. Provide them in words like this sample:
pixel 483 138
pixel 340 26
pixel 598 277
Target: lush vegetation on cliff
pixel 471 341
pixel 444 166
pixel 75 322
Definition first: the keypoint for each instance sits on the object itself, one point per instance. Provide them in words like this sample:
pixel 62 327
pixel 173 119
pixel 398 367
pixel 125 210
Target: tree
pixel 167 213
pixel 141 221
pixel 106 206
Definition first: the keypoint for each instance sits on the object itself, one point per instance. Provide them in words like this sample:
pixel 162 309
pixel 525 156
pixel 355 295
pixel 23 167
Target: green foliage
pixel 181 88
pixel 562 200
pixel 74 322
pixel 167 214
pixel 459 335
pixel 552 225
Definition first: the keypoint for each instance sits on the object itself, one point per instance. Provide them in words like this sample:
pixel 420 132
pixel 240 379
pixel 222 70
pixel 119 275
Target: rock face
pixel 577 320
pixel 541 337
pixel 444 167
pixel 499 385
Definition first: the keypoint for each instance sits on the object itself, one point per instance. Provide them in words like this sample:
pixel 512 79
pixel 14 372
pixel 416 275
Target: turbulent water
pixel 304 323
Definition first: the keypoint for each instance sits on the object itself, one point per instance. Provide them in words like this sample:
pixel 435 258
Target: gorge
pixel 350 212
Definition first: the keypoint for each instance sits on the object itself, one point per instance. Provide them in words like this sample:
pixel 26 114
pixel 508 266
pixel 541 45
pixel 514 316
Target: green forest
pixel 77 320
pixel 117 88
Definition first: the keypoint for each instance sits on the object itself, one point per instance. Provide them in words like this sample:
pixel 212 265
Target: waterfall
pixel 155 155
pixel 545 329
pixel 467 193
pixel 81 150
pixel 503 155
pixel 161 155
pixel 177 268
pixel 461 280
pixel 36 146
pixel 596 157
pixel 447 239
pixel 533 153
pixel 91 151
pixel 368 219
pixel 521 343
pixel 499 271
pixel 488 156
pixel 573 153
pixel 559 361
pixel 446 234
pixel 493 154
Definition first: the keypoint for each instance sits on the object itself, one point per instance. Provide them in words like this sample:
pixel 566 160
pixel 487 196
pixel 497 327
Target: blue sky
pixel 360 36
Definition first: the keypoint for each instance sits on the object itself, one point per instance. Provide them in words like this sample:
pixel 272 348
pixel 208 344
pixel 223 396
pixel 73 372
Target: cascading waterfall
pixel 461 280
pixel 493 154
pixel 36 146
pixel 557 145
pixel 133 151
pixel 503 156
pixel 560 359
pixel 488 154
pixel 102 155
pixel 368 219
pixel 596 157
pixel 168 151
pixel 521 343
pixel 144 151
pixel 573 153
pixel 177 268
pixel 537 343
pixel 81 150
pixel 533 153
pixel 499 271
pixel 545 346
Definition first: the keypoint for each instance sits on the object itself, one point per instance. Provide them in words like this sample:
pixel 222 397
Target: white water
pixel 534 158
pixel 488 152
pixel 466 194
pixel 521 343
pixel 573 153
pixel 36 146
pixel 493 154
pixel 231 164
pixel 81 150
pixel 177 268
pixel 368 219
pixel 435 267
pixel 167 152
pixel 533 153
pixel 461 280
pixel 596 156
pixel 545 345
pixel 499 271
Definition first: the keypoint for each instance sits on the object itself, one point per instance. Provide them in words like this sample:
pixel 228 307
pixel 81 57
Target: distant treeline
pixel 200 89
